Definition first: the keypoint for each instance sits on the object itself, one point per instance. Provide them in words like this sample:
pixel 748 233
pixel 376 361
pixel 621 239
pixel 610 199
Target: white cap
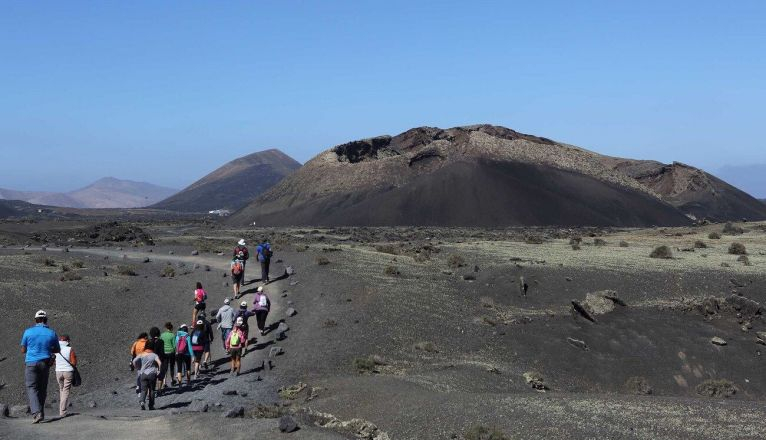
pixel 41 314
pixel 259 289
pixel 243 304
pixel 227 300
pixel 241 242
pixel 183 326
pixel 200 322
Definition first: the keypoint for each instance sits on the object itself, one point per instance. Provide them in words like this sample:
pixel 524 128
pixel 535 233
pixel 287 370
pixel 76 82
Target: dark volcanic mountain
pixel 693 191
pixel 103 193
pixel 479 175
pixel 233 185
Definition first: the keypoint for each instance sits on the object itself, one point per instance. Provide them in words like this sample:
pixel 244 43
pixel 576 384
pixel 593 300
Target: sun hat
pixel 41 314
pixel 259 289
pixel 241 242
pixel 183 326
pixel 243 304
pixel 226 300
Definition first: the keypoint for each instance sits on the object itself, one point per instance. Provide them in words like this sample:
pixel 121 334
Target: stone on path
pixel 578 343
pixel 199 406
pixel 235 412
pixel 289 270
pixel 275 351
pixel 287 424
pixel 291 312
pixel 195 252
pixel 230 393
pixel 715 340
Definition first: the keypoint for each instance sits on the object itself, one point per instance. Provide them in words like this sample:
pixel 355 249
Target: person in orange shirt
pixel 138 347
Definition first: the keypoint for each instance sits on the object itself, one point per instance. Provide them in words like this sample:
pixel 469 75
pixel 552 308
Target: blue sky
pixel 167 91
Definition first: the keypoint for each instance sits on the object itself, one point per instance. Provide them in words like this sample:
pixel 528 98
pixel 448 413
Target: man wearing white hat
pixel 242 254
pixel 39 344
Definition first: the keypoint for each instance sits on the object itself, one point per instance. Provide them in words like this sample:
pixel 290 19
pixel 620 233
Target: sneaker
pixel 143 407
pixel 37 418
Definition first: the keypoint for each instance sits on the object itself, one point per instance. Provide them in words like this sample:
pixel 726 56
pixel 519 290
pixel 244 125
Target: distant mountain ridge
pixel 233 185
pixel 107 192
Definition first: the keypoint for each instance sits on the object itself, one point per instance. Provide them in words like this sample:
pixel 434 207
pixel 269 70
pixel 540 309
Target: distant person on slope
pixel 38 344
pixel 66 361
pixel 261 304
pixel 169 358
pixel 184 355
pixel 148 365
pixel 200 297
pixel 158 347
pixel 264 256
pixel 225 318
pixel 136 349
pixel 242 254
pixel 198 341
pixel 237 275
pixel 234 343
pixel 209 337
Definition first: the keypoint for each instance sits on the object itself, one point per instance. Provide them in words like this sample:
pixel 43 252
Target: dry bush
pixel 322 261
pixel 129 271
pixel 730 229
pixel 71 276
pixel 737 248
pixel 638 385
pixel 364 365
pixel 45 261
pixel 534 239
pixel 391 271
pixel 699 244
pixel 599 242
pixel 744 260
pixel 387 249
pixel 716 388
pixel 77 264
pixel 576 247
pixel 426 346
pixel 454 261
pixel 661 252
pixel 624 243
pixel 168 272
pixel 714 236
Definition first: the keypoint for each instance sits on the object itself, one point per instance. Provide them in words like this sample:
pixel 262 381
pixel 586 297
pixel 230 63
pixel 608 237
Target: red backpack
pixel 182 347
pixel 200 296
pixel 236 268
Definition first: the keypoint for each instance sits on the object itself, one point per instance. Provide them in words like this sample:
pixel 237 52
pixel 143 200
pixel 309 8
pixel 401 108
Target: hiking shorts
pixel 235 352
pixel 183 363
pixel 236 279
pixel 200 306
pixel 198 355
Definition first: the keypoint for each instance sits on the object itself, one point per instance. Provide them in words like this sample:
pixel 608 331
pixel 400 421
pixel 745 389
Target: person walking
pixel 245 315
pixel 261 304
pixel 66 361
pixel 148 365
pixel 234 344
pixel 136 349
pixel 158 347
pixel 169 358
pixel 264 254
pixel 38 344
pixel 209 338
pixel 242 254
pixel 184 354
pixel 198 341
pixel 200 296
pixel 237 276
pixel 225 319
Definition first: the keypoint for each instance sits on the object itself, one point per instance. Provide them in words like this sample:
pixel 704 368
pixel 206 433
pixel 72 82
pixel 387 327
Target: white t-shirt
pixel 63 356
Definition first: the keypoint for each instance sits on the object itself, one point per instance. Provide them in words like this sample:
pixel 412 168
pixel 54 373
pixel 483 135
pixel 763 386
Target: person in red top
pixel 200 298
pixel 242 254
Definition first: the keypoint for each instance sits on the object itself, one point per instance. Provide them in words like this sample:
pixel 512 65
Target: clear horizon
pixel 165 93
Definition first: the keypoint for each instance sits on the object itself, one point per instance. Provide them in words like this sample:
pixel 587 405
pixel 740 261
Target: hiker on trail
pixel 198 341
pixel 158 347
pixel 264 256
pixel 261 304
pixel 225 319
pixel 66 361
pixel 245 315
pixel 209 337
pixel 234 343
pixel 148 365
pixel 242 254
pixel 184 355
pixel 38 344
pixel 169 358
pixel 237 275
pixel 136 349
pixel 200 296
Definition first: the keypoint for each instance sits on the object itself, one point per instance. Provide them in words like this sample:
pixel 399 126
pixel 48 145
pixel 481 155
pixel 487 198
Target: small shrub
pixel 168 272
pixel 391 271
pixel 322 261
pixel 737 248
pixel 699 244
pixel 364 365
pixel 534 239
pixel 426 346
pixel 730 229
pixel 714 236
pixel 599 242
pixel 421 257
pixel 488 321
pixel 48 262
pixel 661 252
pixel 576 247
pixel 744 260
pixel 77 264
pixel 71 276
pixel 454 261
pixel 638 385
pixel 479 432
pixel 624 243
pixel 303 248
pixel 716 388
pixel 387 249
pixel 330 323
pixel 128 271
pixel 65 268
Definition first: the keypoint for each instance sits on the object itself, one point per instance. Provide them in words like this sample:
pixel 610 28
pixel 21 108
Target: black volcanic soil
pixel 481 194
pixel 450 343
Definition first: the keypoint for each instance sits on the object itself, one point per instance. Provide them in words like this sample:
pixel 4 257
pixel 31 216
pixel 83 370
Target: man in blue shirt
pixel 264 256
pixel 39 344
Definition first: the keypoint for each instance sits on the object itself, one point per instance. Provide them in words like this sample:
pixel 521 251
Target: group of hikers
pixel 154 354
